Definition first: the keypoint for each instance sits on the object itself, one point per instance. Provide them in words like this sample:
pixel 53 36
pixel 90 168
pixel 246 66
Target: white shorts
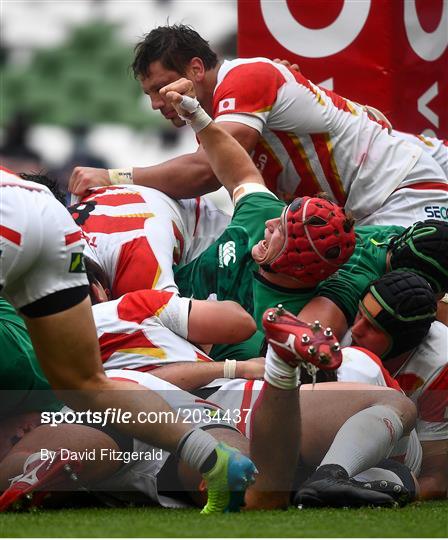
pixel 423 195
pixel 40 244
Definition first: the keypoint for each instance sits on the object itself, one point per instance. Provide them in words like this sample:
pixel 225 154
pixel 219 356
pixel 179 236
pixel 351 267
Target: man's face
pixel 158 77
pixel 365 333
pixel 274 239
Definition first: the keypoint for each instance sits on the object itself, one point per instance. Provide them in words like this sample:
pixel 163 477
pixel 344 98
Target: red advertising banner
pixel 391 54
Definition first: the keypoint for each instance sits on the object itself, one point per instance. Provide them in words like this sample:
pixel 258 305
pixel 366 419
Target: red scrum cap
pixel 319 239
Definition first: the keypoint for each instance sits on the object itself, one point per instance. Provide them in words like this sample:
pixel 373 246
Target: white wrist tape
pixel 198 119
pixel 278 373
pixel 120 176
pixel 250 187
pixel 229 369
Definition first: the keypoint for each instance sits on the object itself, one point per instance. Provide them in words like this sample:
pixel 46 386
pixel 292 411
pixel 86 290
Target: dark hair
pixel 48 182
pixel 174 46
pixel 95 274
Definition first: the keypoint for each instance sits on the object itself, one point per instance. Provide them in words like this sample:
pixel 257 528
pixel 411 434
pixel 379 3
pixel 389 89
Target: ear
pixel 196 70
pixel 95 293
pixel 99 294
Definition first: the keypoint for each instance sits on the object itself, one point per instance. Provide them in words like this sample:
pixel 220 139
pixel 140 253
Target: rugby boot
pixel 397 491
pixel 298 342
pixel 39 477
pixel 330 486
pixel 228 480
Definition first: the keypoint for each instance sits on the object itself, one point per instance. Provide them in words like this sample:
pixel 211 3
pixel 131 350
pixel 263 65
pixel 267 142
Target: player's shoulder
pixel 431 355
pixel 253 70
pixel 376 234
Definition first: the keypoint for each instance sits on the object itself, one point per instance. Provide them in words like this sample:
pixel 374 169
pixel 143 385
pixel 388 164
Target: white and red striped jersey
pixel 145 329
pixel 40 246
pixel 136 234
pixel 312 140
pixel 424 378
pixel 436 148
pixel 361 365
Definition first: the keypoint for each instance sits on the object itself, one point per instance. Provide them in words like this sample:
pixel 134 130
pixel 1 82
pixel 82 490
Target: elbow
pixel 243 324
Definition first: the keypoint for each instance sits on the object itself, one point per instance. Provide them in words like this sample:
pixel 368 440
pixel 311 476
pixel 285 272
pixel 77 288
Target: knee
pixel 403 407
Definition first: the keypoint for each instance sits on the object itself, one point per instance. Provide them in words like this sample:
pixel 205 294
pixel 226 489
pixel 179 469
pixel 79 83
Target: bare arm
pixel 433 477
pixel 191 375
pixel 442 311
pixel 219 322
pixel 185 176
pixel 228 159
pixel 327 312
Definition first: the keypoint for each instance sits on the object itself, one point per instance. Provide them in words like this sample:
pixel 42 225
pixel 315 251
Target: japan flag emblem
pixel 226 105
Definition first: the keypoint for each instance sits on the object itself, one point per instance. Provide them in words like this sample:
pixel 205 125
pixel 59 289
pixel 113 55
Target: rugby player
pixel 303 138
pixel 42 275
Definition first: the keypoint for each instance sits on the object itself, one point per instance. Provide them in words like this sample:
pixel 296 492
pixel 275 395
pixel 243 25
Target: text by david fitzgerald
pixel 101 454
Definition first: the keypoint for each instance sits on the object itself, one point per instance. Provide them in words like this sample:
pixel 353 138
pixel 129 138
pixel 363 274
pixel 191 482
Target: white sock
pixel 278 373
pixel 196 447
pixel 365 439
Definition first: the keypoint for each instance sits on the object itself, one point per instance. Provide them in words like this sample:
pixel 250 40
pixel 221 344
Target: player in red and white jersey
pixel 42 275
pixel 304 139
pixel 436 148
pixel 148 328
pixel 136 234
pixel 395 321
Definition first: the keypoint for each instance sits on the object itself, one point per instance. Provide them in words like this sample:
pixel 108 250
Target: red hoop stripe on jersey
pixel 245 406
pixel 72 238
pixel 111 343
pixel 324 149
pixel 269 166
pixel 433 403
pixel 137 267
pixel 441 186
pixel 340 102
pixel 100 191
pixel 117 199
pixel 115 224
pixel 140 305
pixel 309 184
pixel 13 236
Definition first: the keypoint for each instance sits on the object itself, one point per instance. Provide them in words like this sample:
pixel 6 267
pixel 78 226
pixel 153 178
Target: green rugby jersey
pixel 226 270
pixel 22 382
pixel 368 262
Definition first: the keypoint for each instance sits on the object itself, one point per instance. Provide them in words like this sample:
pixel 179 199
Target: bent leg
pixel 326 409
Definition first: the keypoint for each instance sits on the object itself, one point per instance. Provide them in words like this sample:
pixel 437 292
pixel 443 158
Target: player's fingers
pixel 173 97
pixel 73 179
pixel 182 86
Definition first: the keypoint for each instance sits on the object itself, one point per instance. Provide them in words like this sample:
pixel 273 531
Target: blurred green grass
pixel 428 520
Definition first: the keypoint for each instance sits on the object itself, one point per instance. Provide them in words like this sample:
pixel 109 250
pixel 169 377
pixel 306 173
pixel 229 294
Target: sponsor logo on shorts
pixel 226 254
pixel 437 212
pixel 77 265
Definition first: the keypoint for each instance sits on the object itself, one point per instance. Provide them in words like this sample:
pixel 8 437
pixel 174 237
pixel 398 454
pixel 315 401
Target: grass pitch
pixel 417 520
